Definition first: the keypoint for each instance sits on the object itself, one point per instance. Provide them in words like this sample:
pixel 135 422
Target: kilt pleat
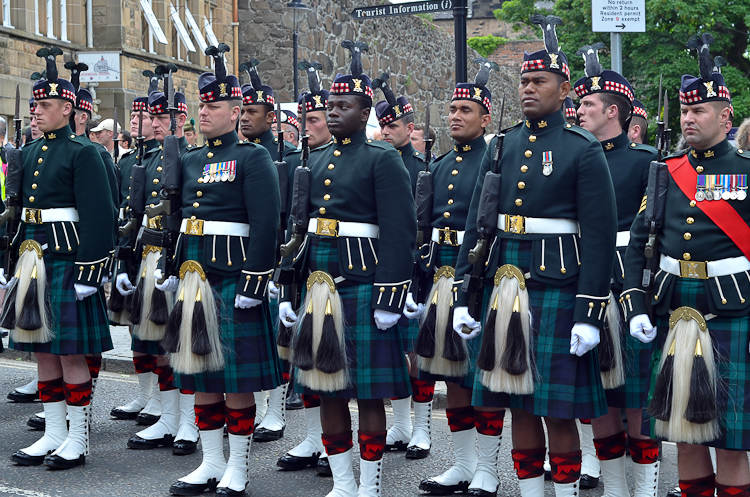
pixel 730 340
pixel 565 386
pixel 146 346
pixel 251 362
pixel 377 365
pixel 80 327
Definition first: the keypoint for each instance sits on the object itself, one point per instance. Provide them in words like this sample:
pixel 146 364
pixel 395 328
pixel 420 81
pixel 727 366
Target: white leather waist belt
pixel 200 227
pixel 623 239
pixel 447 236
pixel 536 225
pixel 703 270
pixel 39 216
pixel 333 227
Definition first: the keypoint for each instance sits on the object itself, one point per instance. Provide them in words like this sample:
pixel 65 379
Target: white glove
pixel 461 318
pixel 273 290
pixel 286 314
pixel 83 291
pixel 123 285
pixel 242 302
pixel 105 280
pixel 583 337
pixel 4 285
pixel 642 329
pixel 169 285
pixel 412 310
pixel 385 319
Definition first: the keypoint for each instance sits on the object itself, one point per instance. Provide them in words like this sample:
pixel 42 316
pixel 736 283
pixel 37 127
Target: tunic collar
pixel 223 141
pixel 63 132
pixel 265 137
pixel 354 139
pixel 470 146
pixel 615 143
pixel 721 148
pixel 547 122
pixel 406 150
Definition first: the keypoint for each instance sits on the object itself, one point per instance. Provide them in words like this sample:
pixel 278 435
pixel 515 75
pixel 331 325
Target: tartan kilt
pixel 79 326
pixel 377 364
pixel 146 346
pixel 637 363
pixel 251 362
pixel 273 306
pixel 565 386
pixel 730 342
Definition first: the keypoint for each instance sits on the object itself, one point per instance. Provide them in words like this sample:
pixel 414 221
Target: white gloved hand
pixel 583 337
pixel 286 314
pixel 242 302
pixel 123 285
pixel 4 285
pixel 169 285
pixel 461 318
pixel 642 329
pixel 412 310
pixel 83 291
pixel 273 290
pixel 105 280
pixel 385 319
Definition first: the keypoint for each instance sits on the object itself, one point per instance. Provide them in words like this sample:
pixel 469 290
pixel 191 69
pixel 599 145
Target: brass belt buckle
pixel 514 224
pixel 447 236
pixel 33 216
pixel 194 227
pixel 154 222
pixel 694 269
pixel 327 227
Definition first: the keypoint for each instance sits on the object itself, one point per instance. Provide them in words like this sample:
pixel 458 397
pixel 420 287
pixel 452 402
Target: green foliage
pixel 661 49
pixel 485 45
pixel 426 17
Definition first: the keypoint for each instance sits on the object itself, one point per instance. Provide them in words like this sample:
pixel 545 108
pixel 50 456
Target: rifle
pixel 423 201
pixel 656 197
pixel 487 212
pixel 290 277
pixel 283 181
pixel 13 184
pixel 116 139
pixel 170 195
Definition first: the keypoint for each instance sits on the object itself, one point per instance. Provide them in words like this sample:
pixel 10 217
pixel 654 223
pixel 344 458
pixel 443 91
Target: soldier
pixel 443 356
pixel 570 111
pixel 65 235
pixel 310 452
pixel 396 119
pixel 255 125
pixel 551 258
pixel 146 407
pixel 357 252
pixel 176 426
pixel 605 108
pixel 220 334
pixel 191 134
pixel 290 127
pixel 697 399
pixel 638 123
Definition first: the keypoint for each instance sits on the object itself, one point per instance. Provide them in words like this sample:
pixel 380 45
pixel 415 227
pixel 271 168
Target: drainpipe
pixel 236 32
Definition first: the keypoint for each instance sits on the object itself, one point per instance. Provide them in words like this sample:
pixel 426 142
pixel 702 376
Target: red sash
pixel 719 211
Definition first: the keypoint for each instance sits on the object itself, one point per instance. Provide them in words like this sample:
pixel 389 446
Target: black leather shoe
pixel 263 435
pixel 399 446
pixel 182 488
pixel 57 462
pixel 675 492
pixel 23 398
pixel 296 463
pixel 184 447
pixel 588 482
pixel 36 422
pixel 294 402
pixel 26 460
pixel 416 453
pixel 146 419
pixel 229 492
pixel 120 414
pixel 139 443
pixel 478 492
pixel 431 486
pixel 323 468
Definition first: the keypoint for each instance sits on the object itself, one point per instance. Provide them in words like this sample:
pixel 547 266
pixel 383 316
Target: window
pixel 150 27
pixel 6 14
pixel 180 35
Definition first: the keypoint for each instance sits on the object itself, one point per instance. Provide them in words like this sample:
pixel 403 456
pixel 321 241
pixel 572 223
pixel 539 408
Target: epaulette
pixel 379 144
pixel 678 153
pixel 419 155
pixel 518 124
pixel 322 147
pixel 642 147
pixel 743 153
pixel 292 152
pixel 34 141
pixel 82 140
pixel 130 151
pixel 151 151
pixel 196 148
pixel 579 130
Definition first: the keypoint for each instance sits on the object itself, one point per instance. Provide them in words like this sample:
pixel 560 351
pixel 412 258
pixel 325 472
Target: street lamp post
pixel 298 14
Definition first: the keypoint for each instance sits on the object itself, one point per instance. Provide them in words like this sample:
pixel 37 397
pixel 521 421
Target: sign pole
pixel 459 28
pixel 616 48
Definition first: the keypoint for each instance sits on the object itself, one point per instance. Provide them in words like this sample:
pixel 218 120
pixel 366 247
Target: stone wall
pixel 419 56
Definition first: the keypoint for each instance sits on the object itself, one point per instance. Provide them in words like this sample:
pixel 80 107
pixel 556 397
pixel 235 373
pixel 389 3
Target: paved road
pixel 113 470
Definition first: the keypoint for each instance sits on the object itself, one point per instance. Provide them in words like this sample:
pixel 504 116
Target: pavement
pixel 114 470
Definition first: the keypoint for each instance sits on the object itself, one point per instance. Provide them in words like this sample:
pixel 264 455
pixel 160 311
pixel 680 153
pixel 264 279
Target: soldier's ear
pixel 564 90
pixel 410 128
pixel 366 114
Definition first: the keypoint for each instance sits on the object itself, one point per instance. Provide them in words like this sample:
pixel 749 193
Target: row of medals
pixel 720 193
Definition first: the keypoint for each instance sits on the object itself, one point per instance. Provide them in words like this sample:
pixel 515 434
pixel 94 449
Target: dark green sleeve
pixel 109 165
pixel 633 297
pixel 260 191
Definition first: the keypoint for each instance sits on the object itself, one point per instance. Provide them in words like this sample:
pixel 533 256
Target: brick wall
pixel 511 54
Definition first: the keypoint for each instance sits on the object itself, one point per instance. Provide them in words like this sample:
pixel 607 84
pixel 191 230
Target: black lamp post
pixel 298 14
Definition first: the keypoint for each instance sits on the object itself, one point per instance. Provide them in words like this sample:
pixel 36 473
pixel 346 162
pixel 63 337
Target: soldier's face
pixel 191 137
pixel 704 125
pixel 135 119
pixel 291 134
pixel 345 115
pixel 397 133
pixel 592 115
pixel 160 125
pixel 417 140
pixel 217 118
pixel 541 93
pixel 467 120
pixel 317 129
pixel 52 114
pixel 255 120
pixel 35 133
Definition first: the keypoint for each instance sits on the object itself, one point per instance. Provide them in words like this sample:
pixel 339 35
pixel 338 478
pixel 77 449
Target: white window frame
pixel 64 21
pixel 212 39
pixel 184 36
pixel 195 30
pixel 51 19
pixel 154 28
pixel 6 14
